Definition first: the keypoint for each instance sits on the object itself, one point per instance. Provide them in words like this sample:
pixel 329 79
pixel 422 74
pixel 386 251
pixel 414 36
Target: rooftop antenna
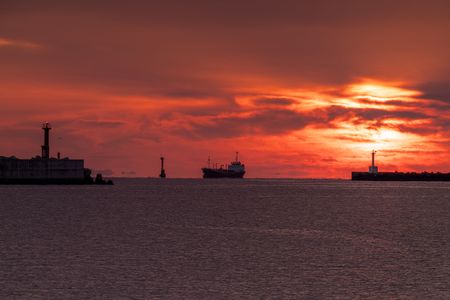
pixel 46 147
pixel 163 172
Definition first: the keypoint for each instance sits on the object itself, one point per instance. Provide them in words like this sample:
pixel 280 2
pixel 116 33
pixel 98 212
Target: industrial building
pixel 45 169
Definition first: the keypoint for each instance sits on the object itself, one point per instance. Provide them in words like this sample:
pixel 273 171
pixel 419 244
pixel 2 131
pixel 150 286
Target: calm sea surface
pixel 226 239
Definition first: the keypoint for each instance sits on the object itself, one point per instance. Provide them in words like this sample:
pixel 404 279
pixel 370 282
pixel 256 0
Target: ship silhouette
pixel 234 170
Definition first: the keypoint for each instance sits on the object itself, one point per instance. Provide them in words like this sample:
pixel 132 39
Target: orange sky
pixel 299 88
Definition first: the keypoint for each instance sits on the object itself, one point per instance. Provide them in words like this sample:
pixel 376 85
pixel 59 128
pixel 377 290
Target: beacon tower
pixel 163 172
pixel 46 147
pixel 373 169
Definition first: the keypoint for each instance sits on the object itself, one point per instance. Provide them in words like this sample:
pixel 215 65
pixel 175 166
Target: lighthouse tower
pixel 163 172
pixel 373 169
pixel 46 147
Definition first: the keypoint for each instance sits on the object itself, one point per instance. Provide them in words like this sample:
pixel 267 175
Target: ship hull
pixel 221 173
pixel 398 176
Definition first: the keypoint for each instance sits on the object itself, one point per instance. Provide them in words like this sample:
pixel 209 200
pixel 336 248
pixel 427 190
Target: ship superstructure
pixel 234 170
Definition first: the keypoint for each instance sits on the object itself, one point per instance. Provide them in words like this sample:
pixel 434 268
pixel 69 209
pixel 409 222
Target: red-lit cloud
pixel 300 88
pixel 17 43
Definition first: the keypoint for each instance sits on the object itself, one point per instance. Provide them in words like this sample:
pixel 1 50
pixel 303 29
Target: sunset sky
pixel 299 88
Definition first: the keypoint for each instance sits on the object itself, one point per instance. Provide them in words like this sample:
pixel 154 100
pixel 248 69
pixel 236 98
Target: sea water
pixel 226 239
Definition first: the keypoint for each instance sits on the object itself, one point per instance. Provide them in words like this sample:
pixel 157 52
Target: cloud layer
pixel 300 88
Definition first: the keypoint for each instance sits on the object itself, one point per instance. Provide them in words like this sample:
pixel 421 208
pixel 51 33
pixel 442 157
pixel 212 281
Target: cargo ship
pixel 234 170
pixel 45 169
pixel 374 175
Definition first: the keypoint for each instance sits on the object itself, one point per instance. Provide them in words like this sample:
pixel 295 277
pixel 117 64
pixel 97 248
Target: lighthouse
pixel 373 169
pixel 163 172
pixel 46 147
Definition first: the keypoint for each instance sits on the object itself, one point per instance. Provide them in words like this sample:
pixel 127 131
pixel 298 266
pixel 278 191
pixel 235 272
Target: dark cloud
pixel 375 119
pixel 426 129
pixel 194 94
pixel 102 124
pixel 341 113
pixel 379 114
pixel 269 122
pixel 354 138
pixel 275 101
pixel 438 90
pixel 282 121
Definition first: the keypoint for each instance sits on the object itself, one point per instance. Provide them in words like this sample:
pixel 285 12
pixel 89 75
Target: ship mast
pixel 237 156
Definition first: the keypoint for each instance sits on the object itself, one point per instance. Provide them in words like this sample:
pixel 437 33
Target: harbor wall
pixel 13 168
pixel 400 176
